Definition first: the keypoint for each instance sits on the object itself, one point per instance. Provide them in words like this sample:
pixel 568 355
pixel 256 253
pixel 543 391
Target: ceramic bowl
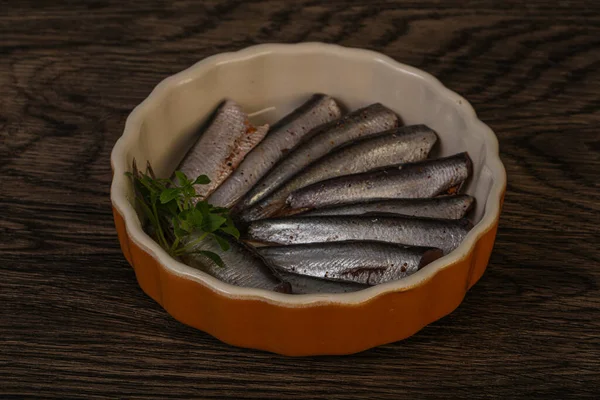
pixel 269 81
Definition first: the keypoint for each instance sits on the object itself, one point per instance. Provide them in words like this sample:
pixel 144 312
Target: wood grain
pixel 74 323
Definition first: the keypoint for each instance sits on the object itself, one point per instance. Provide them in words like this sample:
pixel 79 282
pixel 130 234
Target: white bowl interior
pixel 269 84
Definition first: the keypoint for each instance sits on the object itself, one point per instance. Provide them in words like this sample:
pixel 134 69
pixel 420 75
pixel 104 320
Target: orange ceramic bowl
pixel 270 81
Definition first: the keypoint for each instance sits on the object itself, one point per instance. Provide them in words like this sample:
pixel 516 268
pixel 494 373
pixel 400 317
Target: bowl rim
pixel 145 242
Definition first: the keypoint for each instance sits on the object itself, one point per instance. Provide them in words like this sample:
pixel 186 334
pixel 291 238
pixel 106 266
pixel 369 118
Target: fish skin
pixel 302 284
pixel 416 180
pixel 396 146
pixel 221 146
pixel 325 138
pixel 284 135
pixel 243 266
pixel 410 231
pixel 445 207
pixel 365 262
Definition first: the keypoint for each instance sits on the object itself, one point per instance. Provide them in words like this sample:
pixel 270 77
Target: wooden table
pixel 73 321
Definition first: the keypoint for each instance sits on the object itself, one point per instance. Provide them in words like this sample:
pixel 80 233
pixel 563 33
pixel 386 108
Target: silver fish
pixel 411 231
pixel 243 267
pixel 284 135
pixel 447 207
pixel 417 180
pixel 396 146
pixel 228 137
pixel 364 262
pixel 363 122
pixel 302 284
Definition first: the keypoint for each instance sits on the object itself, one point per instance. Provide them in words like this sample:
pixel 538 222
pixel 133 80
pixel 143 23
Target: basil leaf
pixel 214 257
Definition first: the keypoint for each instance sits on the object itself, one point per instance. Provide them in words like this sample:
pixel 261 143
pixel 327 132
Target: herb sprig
pixel 175 212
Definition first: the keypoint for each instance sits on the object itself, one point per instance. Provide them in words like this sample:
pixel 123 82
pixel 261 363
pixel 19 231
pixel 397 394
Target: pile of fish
pixel 328 202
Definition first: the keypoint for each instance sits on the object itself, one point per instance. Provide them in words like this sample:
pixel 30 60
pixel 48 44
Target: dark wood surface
pixel 73 321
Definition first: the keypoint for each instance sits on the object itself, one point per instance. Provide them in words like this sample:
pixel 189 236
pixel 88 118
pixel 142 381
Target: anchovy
pixel 396 146
pixel 243 267
pixel 447 207
pixel 417 180
pixel 228 137
pixel 302 284
pixel 284 135
pixel 411 231
pixel 364 262
pixel 363 122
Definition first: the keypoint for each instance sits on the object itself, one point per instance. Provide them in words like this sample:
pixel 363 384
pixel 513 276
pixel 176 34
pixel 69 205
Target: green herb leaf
pixel 171 208
pixel 203 207
pixel 184 221
pixel 182 178
pixel 148 212
pixel 154 197
pixel 179 233
pixel 223 244
pixel 175 213
pixel 147 183
pixel 231 230
pixel 214 257
pixel 219 210
pixel 169 194
pixel 212 222
pixel 195 218
pixel 201 180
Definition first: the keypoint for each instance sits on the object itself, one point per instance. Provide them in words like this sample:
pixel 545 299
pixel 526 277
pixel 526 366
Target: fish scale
pixel 284 135
pixel 392 147
pixel 363 262
pixel 412 231
pixel 327 137
pixel 416 180
pixel 448 207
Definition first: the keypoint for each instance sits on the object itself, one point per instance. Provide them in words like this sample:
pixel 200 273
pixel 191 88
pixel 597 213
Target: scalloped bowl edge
pixel 314 324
